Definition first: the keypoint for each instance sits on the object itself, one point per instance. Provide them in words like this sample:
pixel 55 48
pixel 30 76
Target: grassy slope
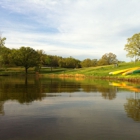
pixel 92 71
pixel 103 70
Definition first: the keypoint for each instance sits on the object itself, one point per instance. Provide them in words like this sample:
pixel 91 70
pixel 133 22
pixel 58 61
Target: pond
pixel 43 108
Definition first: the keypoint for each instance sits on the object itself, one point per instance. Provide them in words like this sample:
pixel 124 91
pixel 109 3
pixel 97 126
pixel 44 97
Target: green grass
pixel 98 71
pixel 92 71
pixel 15 71
pixel 102 70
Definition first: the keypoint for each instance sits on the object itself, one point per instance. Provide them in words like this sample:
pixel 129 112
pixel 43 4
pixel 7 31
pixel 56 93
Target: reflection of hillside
pixel 132 108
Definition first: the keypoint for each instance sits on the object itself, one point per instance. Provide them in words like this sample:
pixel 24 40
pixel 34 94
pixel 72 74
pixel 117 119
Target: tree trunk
pixel 51 68
pixel 26 70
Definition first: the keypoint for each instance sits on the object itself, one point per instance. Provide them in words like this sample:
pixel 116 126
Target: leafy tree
pixel 42 59
pixel 49 60
pixel 5 56
pixel 133 46
pixel 69 62
pixel 94 62
pixel 89 62
pixel 5 53
pixel 101 62
pixel 26 57
pixel 2 41
pixel 108 59
pixel 86 63
pixel 61 63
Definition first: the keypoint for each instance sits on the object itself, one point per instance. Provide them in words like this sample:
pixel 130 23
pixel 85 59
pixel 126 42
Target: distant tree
pixel 72 62
pixel 69 62
pixel 5 53
pixel 108 59
pixel 94 62
pixel 133 46
pixel 55 60
pixel 42 59
pixel 2 41
pixel 5 57
pixel 26 57
pixel 89 62
pixel 62 63
pixel 101 62
pixel 86 63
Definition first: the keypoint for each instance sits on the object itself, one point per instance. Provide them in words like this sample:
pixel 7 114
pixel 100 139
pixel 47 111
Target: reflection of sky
pixel 79 116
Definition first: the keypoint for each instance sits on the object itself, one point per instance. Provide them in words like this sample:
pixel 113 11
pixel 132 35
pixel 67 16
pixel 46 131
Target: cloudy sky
pixel 78 28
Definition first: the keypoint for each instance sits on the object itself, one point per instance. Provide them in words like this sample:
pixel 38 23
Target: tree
pixel 49 61
pixel 108 59
pixel 5 53
pixel 2 41
pixel 42 57
pixel 86 63
pixel 69 62
pixel 133 46
pixel 5 56
pixel 26 57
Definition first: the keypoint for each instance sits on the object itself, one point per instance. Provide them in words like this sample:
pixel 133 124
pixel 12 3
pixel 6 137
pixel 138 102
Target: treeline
pixel 28 57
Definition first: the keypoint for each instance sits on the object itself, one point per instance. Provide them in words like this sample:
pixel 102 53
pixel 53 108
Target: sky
pixel 78 28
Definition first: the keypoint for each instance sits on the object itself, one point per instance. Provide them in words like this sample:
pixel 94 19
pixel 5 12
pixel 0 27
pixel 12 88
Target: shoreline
pixel 127 79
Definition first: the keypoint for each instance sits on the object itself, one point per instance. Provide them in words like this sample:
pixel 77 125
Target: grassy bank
pixel 96 72
pixel 15 71
pixel 100 72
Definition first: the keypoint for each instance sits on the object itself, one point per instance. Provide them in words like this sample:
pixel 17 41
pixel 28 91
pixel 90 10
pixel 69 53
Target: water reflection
pixel 128 86
pixel 1 108
pixel 26 90
pixel 29 89
pixel 22 89
pixel 132 107
pixel 43 108
pixel 109 93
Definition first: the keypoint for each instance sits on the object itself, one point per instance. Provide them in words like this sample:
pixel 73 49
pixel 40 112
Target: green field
pixel 100 71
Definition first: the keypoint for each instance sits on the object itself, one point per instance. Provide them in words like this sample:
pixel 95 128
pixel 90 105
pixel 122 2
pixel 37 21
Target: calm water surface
pixel 39 108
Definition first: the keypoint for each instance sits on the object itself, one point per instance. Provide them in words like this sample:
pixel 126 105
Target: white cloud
pixel 81 27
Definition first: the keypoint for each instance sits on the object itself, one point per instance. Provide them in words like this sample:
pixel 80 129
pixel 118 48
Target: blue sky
pixel 78 28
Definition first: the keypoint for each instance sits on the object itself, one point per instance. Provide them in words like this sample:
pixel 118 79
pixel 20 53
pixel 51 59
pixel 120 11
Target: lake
pixel 43 108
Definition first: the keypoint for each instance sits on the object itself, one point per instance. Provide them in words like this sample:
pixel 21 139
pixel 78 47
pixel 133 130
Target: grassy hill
pixel 99 71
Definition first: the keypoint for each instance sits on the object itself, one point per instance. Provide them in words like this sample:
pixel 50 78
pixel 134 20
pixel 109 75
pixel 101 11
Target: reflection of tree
pixel 108 93
pixel 132 108
pixel 26 90
pixel 89 88
pixel 58 86
pixel 1 108
pixel 22 90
